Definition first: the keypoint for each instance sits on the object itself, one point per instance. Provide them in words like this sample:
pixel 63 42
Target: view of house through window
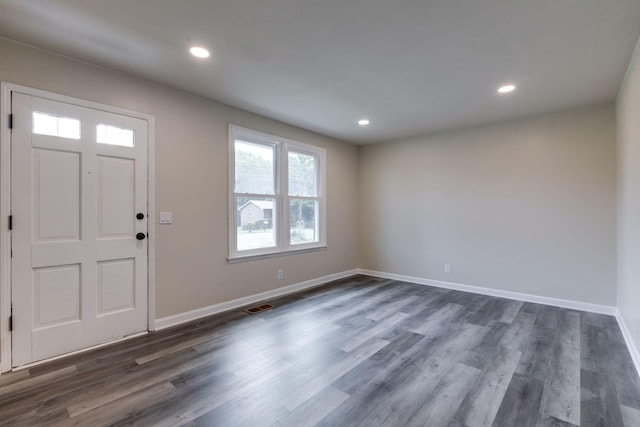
pixel 277 202
pixel 255 223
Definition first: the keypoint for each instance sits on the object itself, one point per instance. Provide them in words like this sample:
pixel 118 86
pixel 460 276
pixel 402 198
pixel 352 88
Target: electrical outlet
pixel 280 274
pixel 447 268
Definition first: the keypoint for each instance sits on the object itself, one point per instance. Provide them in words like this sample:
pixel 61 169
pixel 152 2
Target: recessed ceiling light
pixel 506 88
pixel 199 52
pixel 363 122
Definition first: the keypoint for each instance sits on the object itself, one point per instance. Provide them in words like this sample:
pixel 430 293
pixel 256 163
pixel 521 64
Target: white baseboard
pixel 631 345
pixel 177 319
pixel 557 302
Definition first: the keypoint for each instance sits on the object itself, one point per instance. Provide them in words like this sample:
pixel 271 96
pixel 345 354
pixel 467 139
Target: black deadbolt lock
pixel 140 236
pixel 140 215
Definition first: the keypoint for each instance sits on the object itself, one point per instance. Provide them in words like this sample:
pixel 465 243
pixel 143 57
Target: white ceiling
pixel 410 66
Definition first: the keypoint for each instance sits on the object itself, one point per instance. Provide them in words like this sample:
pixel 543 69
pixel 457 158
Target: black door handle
pixel 140 215
pixel 140 236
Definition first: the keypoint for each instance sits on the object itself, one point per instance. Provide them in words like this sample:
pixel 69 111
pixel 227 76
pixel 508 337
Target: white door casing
pixel 79 275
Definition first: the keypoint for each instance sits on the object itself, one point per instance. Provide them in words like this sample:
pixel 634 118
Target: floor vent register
pixel 259 309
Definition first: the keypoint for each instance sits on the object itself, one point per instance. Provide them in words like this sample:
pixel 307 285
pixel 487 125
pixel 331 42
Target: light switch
pixel 166 218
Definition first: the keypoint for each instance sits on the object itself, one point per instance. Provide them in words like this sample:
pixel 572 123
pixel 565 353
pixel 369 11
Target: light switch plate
pixel 166 218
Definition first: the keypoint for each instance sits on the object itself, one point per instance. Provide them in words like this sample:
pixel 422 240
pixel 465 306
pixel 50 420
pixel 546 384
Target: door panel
pixel 56 292
pixel 56 195
pixel 79 275
pixel 116 183
pixel 116 286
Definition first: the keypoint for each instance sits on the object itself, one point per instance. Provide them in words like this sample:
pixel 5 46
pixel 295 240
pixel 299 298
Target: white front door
pixel 79 214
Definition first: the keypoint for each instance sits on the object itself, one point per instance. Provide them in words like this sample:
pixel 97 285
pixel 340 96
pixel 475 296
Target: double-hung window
pixel 277 197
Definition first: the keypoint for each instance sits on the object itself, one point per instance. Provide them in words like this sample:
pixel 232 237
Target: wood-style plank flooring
pixel 359 352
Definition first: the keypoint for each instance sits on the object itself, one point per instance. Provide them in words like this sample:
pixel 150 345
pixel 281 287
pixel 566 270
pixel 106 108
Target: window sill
pixel 244 258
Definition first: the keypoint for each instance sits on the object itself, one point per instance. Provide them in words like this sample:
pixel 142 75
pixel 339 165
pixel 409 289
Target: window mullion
pixel 258 195
pixel 304 197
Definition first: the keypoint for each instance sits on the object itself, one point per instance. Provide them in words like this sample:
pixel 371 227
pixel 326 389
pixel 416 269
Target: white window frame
pixel 281 211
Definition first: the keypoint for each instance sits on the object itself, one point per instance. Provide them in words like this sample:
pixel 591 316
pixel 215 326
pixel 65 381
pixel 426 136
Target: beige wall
pixel 628 114
pixel 191 181
pixel 525 206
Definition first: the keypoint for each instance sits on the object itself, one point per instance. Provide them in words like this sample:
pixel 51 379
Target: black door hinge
pixel 11 323
pixel 10 121
pixel 10 222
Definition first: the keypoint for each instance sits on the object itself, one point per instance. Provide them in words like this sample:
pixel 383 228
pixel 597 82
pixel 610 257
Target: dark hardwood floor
pixel 359 352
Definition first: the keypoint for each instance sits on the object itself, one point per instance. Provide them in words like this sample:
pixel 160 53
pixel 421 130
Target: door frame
pixel 5 206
